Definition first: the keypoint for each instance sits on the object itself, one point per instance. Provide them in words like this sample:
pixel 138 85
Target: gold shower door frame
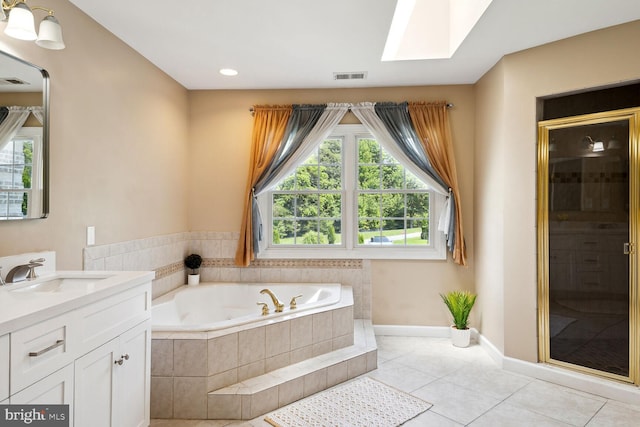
pixel 544 336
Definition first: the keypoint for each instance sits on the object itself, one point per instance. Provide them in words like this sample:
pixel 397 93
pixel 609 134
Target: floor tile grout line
pixel 596 413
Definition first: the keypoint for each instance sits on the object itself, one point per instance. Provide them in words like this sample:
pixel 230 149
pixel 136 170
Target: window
pixel 348 199
pixel 17 179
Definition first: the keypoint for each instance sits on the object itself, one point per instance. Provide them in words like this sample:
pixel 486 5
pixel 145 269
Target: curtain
pixel 4 111
pixel 398 123
pixel 12 123
pixel 329 119
pixel 431 122
pixel 301 122
pixel 269 125
pixel 403 130
pixel 38 112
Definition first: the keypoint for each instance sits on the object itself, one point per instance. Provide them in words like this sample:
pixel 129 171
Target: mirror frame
pixel 45 136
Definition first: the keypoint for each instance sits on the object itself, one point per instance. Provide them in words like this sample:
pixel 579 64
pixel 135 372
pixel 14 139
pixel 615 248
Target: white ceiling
pixel 301 43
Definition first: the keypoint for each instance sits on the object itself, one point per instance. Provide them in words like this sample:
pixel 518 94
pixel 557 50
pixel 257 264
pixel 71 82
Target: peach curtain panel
pixel 431 122
pixel 269 125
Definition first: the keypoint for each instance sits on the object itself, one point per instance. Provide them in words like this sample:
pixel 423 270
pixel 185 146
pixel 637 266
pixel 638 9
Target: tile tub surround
pixel 165 255
pixel 185 366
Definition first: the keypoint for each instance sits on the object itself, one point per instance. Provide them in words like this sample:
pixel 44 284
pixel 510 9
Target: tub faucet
pixel 276 302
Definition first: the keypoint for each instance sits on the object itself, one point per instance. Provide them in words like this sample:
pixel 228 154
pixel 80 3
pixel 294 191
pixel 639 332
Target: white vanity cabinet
pixel 4 367
pixel 95 357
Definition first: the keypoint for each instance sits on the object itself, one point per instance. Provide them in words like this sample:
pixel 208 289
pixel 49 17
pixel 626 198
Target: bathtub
pixel 216 306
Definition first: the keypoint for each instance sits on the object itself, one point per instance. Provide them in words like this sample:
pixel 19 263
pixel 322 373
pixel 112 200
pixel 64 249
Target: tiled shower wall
pixel 165 256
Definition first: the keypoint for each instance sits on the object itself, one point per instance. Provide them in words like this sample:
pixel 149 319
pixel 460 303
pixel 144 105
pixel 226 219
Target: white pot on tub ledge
pixel 193 263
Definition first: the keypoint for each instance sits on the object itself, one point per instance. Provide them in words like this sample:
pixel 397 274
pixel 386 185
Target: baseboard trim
pixel 609 389
pixel 419 331
pixel 412 331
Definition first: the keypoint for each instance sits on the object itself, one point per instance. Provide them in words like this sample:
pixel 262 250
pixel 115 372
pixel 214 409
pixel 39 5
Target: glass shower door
pixel 584 244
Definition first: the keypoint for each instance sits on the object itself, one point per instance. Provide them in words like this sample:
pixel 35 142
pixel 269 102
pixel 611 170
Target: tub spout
pixel 276 302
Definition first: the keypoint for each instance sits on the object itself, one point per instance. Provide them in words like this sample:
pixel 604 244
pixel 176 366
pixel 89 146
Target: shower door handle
pixel 628 248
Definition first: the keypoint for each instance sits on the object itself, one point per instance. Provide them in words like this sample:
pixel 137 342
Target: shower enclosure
pixel 588 206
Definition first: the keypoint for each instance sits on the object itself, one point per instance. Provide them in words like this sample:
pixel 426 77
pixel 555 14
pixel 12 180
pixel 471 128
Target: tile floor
pixel 467 389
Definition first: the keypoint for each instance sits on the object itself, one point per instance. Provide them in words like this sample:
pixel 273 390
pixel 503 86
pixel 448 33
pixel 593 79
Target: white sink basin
pixel 59 284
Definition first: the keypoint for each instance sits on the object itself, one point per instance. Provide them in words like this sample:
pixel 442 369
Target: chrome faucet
pixel 24 272
pixel 276 302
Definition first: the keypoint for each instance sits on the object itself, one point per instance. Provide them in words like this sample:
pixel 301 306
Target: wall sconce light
pixel 596 146
pixel 20 24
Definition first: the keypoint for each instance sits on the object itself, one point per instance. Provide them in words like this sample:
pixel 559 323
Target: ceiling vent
pixel 356 75
pixel 6 81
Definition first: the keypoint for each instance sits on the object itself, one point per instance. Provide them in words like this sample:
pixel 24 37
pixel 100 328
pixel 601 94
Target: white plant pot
pixel 460 337
pixel 193 279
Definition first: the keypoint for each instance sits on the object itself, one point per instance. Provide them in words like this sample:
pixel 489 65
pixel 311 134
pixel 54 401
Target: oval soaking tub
pixel 215 306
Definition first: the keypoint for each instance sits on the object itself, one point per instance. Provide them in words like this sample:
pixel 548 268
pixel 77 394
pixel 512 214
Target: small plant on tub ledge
pixel 193 263
pixel 460 304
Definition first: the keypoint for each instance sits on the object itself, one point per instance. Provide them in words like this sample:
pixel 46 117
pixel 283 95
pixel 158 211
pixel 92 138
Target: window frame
pixel 34 134
pixel 349 248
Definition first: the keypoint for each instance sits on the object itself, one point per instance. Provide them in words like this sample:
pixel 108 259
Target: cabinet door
pixel 95 384
pixel 56 388
pixel 134 377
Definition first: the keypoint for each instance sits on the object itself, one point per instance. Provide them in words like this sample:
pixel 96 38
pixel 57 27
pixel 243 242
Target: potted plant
pixel 193 263
pixel 460 304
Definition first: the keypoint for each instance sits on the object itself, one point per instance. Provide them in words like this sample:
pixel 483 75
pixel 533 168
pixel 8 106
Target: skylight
pixel 431 29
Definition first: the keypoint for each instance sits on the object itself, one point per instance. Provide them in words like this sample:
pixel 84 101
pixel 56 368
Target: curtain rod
pixel 449 105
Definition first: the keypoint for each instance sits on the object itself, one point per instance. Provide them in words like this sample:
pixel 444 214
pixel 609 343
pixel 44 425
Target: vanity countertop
pixel 20 307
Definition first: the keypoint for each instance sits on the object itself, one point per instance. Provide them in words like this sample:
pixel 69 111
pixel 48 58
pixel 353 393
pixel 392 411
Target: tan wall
pixel 118 144
pixel 404 292
pixel 595 59
pixel 489 188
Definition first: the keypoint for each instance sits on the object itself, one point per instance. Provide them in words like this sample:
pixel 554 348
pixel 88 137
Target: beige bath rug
pixel 363 402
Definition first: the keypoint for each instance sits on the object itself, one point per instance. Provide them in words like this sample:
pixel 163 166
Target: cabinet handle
pixel 45 350
pixel 122 359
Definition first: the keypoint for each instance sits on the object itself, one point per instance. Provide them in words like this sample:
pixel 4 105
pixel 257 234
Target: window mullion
pixel 349 206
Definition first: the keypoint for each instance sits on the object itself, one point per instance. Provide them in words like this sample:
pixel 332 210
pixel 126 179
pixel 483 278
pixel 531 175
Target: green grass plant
pixel 459 304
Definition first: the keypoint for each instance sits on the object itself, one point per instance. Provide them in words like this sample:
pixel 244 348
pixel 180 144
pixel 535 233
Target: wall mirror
pixel 24 140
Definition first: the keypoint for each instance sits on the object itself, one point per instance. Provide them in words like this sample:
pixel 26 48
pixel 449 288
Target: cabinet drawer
pixel 41 349
pixel 4 367
pixel 104 320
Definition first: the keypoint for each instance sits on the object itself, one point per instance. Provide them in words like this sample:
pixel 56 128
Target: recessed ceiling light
pixel 228 72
